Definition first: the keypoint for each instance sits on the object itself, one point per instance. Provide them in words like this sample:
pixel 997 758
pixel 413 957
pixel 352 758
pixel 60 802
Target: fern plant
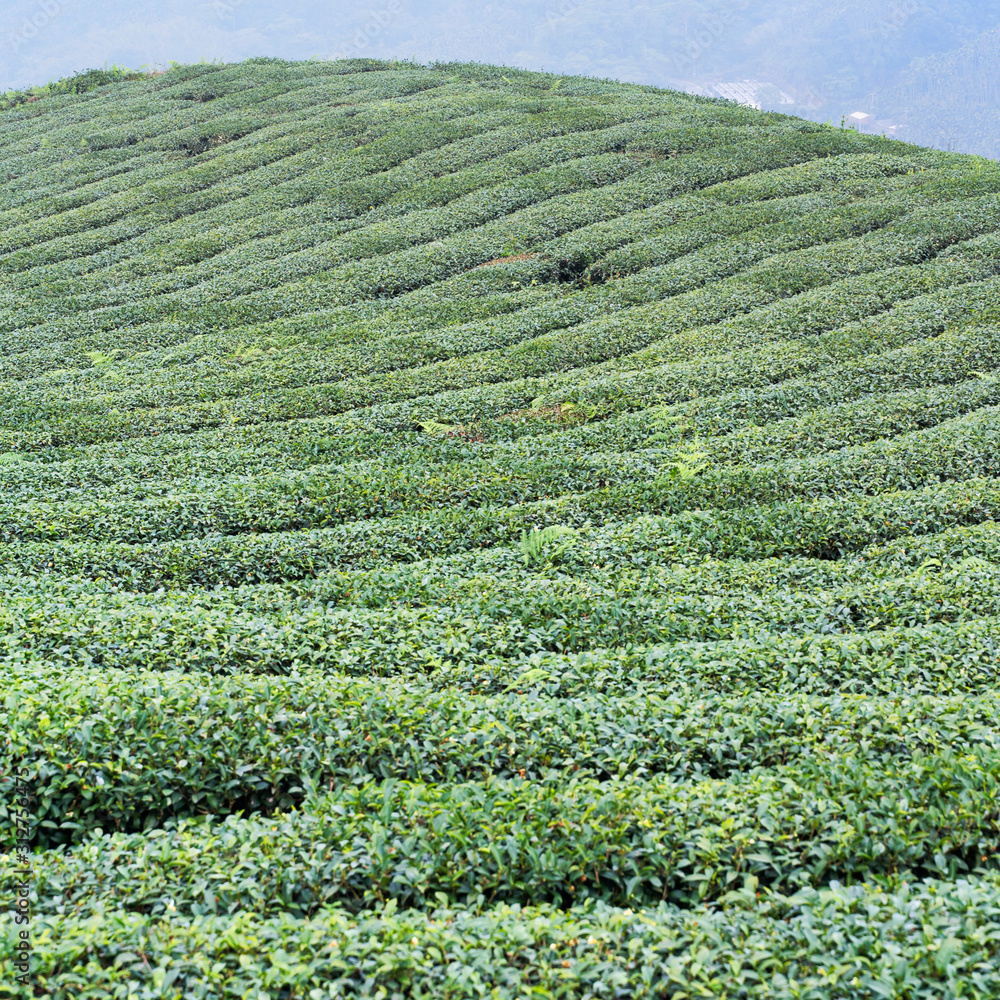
pixel 970 564
pixel 99 358
pixel 568 411
pixel 668 426
pixel 688 462
pixel 543 546
pixel 436 428
pixel 974 564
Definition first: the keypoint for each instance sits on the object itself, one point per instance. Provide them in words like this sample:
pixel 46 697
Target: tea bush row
pixel 108 744
pixel 928 938
pixel 627 841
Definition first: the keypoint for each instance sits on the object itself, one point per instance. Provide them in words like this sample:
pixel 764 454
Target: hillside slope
pixel 467 532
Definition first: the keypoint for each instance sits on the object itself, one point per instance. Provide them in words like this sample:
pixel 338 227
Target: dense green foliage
pixel 471 534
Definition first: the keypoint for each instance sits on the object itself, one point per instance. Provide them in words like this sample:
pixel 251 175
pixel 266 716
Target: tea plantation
pixel 471 533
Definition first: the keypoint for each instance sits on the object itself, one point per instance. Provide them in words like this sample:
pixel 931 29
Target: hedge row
pixel 325 365
pixel 480 191
pixel 958 449
pixel 842 425
pixel 280 631
pixel 58 221
pixel 925 940
pixel 126 751
pixel 407 269
pixel 378 433
pixel 626 841
pixel 599 340
pixel 506 620
pixel 824 527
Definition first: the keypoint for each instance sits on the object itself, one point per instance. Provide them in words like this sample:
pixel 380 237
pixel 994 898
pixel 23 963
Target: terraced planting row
pixel 467 533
